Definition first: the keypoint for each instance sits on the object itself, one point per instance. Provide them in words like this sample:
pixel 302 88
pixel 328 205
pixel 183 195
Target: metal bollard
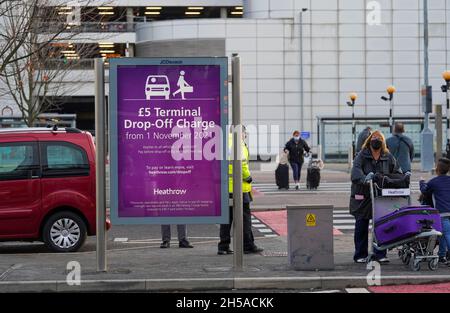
pixel 350 159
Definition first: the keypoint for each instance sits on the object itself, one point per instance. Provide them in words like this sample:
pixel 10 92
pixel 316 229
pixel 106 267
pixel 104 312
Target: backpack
pixel 402 139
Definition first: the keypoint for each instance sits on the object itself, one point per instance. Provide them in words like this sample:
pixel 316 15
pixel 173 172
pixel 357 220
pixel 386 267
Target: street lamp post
pixel 446 89
pixel 390 90
pixel 427 136
pixel 351 103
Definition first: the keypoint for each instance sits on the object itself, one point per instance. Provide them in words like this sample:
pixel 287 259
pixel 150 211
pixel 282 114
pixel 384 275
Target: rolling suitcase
pixel 282 176
pixel 313 178
pixel 406 222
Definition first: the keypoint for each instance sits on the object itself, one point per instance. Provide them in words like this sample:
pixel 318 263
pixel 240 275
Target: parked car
pixel 47 187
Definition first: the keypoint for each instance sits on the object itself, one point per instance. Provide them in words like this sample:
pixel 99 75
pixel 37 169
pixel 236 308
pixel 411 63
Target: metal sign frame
pixel 113 118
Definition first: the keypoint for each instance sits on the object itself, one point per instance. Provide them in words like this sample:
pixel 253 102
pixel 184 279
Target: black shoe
pixel 185 244
pixel 443 261
pixel 225 252
pixel 165 245
pixel 254 250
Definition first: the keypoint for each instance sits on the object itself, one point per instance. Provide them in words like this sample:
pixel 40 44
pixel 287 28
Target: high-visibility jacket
pixel 246 187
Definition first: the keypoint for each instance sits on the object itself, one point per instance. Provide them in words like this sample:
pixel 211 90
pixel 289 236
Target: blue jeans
pixel 444 241
pixel 296 170
pixel 362 241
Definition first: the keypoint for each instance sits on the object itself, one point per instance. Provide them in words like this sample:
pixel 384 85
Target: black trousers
pixel 225 230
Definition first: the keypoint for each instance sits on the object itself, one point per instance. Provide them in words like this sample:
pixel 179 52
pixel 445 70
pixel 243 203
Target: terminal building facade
pixel 298 66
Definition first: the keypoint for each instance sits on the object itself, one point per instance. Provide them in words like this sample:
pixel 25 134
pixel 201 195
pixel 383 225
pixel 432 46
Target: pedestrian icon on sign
pixel 183 86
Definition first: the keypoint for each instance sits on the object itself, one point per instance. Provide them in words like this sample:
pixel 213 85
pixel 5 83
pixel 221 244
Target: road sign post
pixel 100 171
pixel 238 216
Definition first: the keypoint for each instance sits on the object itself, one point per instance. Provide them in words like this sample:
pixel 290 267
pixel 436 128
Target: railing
pixel 81 64
pixel 335 134
pixel 89 27
pixel 43 120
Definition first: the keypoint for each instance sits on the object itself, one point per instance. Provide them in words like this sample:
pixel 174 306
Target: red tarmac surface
pixel 437 288
pixel 277 221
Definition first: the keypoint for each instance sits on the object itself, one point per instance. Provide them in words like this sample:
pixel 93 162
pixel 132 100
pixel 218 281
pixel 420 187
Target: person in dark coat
pixel 402 147
pixel 362 137
pixel 296 147
pixel 374 158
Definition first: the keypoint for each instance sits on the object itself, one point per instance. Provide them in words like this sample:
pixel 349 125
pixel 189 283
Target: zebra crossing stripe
pixel 324 188
pixel 357 290
pixel 259 225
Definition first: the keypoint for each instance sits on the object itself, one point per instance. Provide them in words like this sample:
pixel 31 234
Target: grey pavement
pixel 136 263
pixel 144 266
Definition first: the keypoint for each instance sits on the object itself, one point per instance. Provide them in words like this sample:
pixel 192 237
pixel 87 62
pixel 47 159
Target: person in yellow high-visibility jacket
pixel 225 229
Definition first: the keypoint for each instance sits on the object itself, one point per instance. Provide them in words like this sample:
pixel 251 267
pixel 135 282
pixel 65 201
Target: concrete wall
pixel 178 48
pixel 342 53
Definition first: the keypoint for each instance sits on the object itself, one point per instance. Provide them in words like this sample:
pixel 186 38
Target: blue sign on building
pixel 306 135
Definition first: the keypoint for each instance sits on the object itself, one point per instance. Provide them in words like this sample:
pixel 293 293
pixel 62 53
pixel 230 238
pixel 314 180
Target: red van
pixel 47 186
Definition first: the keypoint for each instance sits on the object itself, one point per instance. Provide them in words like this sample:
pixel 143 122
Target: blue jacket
pixel 439 187
pixel 402 148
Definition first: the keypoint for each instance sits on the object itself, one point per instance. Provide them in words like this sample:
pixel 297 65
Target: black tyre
pixel 64 232
pixel 433 264
pixel 414 264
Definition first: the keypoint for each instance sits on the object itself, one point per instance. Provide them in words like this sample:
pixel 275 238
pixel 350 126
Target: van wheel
pixel 64 232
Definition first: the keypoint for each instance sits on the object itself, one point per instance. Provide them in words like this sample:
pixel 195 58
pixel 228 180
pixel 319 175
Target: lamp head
pixel 353 96
pixel 391 90
pixel 446 76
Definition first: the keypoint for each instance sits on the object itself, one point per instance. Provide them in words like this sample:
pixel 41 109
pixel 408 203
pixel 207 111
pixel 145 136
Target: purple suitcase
pixel 405 223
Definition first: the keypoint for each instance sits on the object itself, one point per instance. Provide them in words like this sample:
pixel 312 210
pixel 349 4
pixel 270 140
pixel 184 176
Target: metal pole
pixel 438 121
pixel 100 171
pixel 353 131
pixel 426 41
pixel 238 215
pixel 301 71
pixel 448 120
pixel 425 52
pixel 391 121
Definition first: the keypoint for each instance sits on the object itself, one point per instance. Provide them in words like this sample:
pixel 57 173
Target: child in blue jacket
pixel 439 188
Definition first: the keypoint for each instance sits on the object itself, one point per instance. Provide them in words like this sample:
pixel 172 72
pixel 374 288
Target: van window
pixel 62 159
pixel 18 160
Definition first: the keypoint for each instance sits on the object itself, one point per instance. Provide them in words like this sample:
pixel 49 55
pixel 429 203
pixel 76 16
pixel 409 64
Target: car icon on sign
pixel 157 86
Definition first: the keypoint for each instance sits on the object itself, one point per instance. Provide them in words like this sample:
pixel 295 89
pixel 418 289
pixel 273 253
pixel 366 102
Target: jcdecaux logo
pixel 171 62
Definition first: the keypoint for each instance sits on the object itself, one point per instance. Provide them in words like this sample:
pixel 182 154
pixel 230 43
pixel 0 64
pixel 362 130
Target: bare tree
pixel 35 67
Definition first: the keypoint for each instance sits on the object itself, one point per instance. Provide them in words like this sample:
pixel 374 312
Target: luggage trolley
pixel 412 249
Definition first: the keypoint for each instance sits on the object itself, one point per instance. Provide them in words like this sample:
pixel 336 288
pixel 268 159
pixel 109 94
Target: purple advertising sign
pixel 167 127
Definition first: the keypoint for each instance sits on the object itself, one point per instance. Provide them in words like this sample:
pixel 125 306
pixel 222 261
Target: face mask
pixel 297 138
pixel 376 144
